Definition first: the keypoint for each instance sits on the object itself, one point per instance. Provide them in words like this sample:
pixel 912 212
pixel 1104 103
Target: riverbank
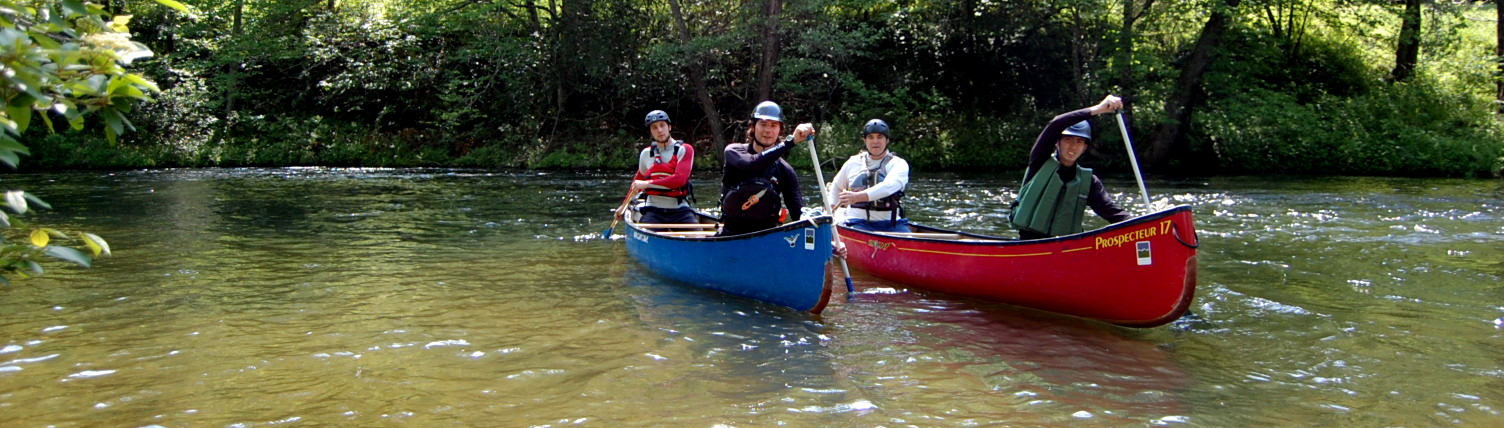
pixel 1288 140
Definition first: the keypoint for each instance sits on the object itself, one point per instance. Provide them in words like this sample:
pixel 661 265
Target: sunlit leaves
pixel 16 201
pixel 63 57
pixel 96 244
pixel 174 5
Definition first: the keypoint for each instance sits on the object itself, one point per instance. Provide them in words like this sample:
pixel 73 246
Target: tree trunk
pixel 702 92
pixel 532 15
pixel 1408 50
pixel 1127 87
pixel 239 8
pixel 1078 63
pixel 1499 50
pixel 1125 49
pixel 770 38
pixel 234 32
pixel 1167 137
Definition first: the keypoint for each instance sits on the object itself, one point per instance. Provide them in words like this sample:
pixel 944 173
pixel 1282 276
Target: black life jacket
pixel 755 198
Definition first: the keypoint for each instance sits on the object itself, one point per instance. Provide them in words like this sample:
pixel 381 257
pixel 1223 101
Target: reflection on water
pixel 259 297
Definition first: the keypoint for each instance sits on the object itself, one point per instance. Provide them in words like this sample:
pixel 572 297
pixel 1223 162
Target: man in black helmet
pixel 1056 189
pixel 663 173
pixel 871 184
pixel 756 177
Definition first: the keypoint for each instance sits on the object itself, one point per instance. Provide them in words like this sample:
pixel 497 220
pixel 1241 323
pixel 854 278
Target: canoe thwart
pixel 676 226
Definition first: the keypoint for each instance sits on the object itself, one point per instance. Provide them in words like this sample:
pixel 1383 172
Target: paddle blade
pixel 606 234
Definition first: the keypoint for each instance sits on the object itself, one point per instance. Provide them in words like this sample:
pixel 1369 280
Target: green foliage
pixel 1405 130
pixel 66 58
pixel 966 84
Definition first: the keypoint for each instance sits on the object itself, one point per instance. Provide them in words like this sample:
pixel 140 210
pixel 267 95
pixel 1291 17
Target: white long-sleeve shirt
pixel 896 178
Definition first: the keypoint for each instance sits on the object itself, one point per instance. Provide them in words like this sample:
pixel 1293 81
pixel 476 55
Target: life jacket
pixel 755 198
pixel 1049 205
pixel 873 176
pixel 662 169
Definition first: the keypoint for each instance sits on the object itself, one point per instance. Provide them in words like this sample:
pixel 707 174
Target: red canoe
pixel 1137 273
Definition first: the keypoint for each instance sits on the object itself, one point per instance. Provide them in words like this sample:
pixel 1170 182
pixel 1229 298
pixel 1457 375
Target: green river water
pixel 420 297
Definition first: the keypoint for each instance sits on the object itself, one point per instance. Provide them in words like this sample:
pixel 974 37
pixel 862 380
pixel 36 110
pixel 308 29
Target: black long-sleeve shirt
pixel 1044 146
pixel 741 165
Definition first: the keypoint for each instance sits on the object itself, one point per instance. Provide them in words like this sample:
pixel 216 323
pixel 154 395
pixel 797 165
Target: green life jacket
pixel 1050 206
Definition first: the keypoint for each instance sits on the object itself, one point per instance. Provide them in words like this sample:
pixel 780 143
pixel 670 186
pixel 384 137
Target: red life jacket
pixel 662 169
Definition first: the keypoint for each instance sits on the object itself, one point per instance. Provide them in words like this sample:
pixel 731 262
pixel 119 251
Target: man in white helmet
pixel 870 184
pixel 1056 189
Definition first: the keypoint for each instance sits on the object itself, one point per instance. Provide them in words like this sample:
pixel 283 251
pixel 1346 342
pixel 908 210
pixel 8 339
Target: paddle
pixel 616 216
pixel 825 199
pixel 1133 159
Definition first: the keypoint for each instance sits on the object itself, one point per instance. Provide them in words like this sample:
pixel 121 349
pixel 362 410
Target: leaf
pixel 39 238
pixel 4 219
pixel 10 158
pixel 6 143
pixel 75 120
pixel 19 110
pixel 20 114
pixel 55 233
pixel 48 121
pixel 38 201
pixel 121 23
pixel 115 121
pixel 69 255
pixel 174 5
pixel 137 79
pixel 17 201
pixel 34 267
pixel 95 243
pixel 75 7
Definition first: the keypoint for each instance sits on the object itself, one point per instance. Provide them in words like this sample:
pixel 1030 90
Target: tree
pixel 770 45
pixel 1127 87
pixel 1167 137
pixel 1499 50
pixel 697 74
pixel 66 58
pixel 1407 50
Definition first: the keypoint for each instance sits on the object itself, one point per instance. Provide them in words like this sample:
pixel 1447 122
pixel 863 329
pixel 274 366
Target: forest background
pixel 1352 87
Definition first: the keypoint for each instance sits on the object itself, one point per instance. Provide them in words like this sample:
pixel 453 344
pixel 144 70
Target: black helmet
pixel 875 126
pixel 656 115
pixel 768 110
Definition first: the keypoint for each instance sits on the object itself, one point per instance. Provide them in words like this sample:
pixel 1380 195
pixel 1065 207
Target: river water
pixel 260 297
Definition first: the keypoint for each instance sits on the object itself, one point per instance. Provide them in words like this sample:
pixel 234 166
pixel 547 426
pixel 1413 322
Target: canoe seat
pixel 690 234
pixel 676 226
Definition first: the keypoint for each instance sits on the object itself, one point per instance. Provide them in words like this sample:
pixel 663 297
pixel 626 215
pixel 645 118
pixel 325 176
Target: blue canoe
pixel 786 265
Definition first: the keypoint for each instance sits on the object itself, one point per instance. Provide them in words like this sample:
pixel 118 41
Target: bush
pixel 1408 129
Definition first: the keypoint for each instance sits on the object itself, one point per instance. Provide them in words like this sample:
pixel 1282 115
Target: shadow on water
pixel 990 363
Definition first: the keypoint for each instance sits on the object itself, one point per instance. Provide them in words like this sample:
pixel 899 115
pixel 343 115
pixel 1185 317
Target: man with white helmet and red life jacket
pixel 756 178
pixel 871 184
pixel 663 173
pixel 1056 189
